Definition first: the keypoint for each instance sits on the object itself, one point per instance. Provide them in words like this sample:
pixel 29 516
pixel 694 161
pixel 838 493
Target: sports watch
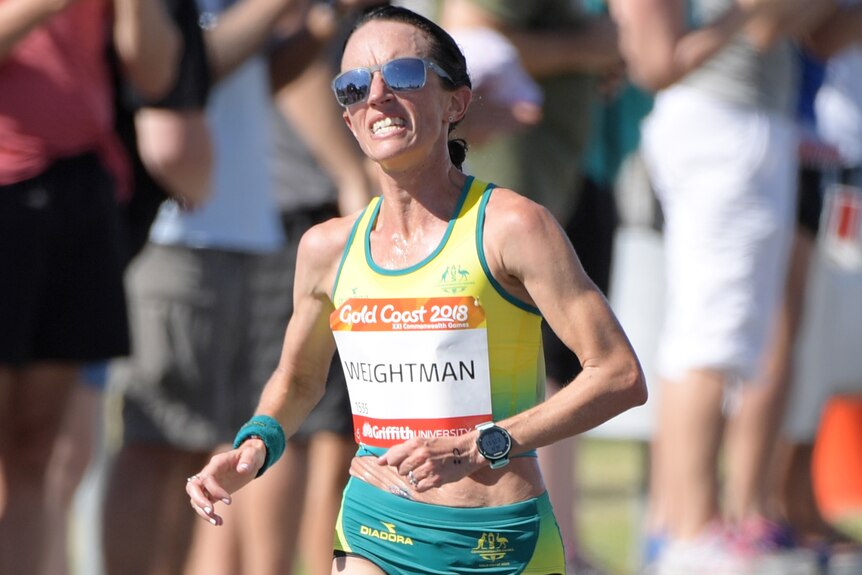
pixel 494 444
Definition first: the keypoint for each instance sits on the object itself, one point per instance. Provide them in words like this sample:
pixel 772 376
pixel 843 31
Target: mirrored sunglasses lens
pixel 352 87
pixel 404 74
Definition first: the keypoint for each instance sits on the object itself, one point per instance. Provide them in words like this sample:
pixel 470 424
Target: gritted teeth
pixel 387 122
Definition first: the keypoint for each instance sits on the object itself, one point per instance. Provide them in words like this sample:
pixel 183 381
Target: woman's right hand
pixel 223 475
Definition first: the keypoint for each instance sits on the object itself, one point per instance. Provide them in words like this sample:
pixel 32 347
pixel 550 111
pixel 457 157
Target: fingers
pixel 201 500
pixel 224 474
pixel 424 478
pixel 418 466
pixel 410 471
pixel 249 461
pixel 203 493
pixel 411 478
pixel 405 457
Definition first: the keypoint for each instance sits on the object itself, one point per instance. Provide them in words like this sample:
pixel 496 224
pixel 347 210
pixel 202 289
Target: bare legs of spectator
pixel 767 481
pixel 754 431
pixel 293 507
pixel 785 488
pixel 796 493
pixel 148 533
pixel 683 490
pixel 793 489
pixel 70 460
pixel 689 432
pixel 32 402
pixel 655 518
pixel 328 457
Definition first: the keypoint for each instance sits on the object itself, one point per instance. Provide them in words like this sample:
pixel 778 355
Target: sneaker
pixel 653 546
pixel 712 553
pixel 767 550
pixel 774 549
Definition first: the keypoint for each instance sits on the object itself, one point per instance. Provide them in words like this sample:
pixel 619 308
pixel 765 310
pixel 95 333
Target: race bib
pixel 415 367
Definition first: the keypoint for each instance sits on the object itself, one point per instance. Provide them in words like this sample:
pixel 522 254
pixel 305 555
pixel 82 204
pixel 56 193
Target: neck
pixel 413 197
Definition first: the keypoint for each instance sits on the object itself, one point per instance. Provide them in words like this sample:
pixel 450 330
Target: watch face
pixel 494 443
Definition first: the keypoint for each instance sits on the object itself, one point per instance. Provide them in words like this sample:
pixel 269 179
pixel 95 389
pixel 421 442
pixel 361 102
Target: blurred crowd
pixel 160 161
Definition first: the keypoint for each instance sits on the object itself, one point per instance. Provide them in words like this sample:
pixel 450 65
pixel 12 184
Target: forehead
pixel 379 41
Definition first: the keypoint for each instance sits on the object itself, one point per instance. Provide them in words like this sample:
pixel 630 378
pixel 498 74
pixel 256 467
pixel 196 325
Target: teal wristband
pixel 268 430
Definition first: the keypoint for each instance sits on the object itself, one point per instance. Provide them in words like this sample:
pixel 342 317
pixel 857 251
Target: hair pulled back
pixel 444 52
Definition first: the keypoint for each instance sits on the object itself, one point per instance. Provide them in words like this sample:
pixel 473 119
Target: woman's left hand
pixel 430 463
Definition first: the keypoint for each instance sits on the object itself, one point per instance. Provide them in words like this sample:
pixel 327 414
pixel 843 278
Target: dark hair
pixel 444 52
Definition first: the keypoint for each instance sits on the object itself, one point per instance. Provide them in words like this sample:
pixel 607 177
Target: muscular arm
pixel 300 378
pixel 298 382
pixel 530 255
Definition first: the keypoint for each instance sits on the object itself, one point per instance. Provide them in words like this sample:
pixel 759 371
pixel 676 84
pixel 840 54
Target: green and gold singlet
pixel 436 348
pixel 433 350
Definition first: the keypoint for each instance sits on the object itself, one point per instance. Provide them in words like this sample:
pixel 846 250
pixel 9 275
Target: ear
pixel 459 101
pixel 347 121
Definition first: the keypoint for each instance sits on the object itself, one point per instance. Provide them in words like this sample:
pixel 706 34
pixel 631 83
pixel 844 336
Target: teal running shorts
pixel 405 537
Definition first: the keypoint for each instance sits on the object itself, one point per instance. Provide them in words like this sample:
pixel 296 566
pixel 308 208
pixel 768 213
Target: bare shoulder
pixel 515 215
pixel 328 238
pixel 524 245
pixel 321 249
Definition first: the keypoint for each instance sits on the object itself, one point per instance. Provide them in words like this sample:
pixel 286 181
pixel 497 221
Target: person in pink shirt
pixel 62 301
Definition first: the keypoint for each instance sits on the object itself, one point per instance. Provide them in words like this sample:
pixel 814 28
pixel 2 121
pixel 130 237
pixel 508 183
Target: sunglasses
pixel 401 75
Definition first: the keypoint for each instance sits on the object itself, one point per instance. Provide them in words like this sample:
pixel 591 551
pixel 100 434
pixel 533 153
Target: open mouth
pixel 386 125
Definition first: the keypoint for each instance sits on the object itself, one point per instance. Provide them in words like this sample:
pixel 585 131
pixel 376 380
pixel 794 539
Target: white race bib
pixel 415 367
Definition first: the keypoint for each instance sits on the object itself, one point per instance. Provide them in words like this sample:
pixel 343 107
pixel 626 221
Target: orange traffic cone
pixel 837 460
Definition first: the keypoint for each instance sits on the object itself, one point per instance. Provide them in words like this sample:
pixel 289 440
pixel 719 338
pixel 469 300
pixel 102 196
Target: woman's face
pixel 398 129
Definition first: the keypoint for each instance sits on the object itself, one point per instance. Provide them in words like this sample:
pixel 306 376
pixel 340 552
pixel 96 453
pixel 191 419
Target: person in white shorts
pixel 720 147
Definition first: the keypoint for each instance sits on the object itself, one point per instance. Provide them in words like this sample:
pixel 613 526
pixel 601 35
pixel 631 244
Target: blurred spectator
pixel 721 150
pixel 832 156
pixel 755 427
pixel 61 249
pixel 169 135
pixel 838 106
pixel 189 381
pixel 507 99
